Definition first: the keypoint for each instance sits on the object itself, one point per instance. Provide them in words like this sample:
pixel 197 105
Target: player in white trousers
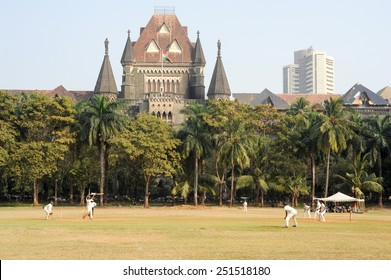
pixel 48 209
pixel 322 212
pixel 317 211
pixel 307 211
pixel 289 213
pixel 90 203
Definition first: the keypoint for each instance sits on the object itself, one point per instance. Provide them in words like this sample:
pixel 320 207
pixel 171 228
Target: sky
pixel 45 43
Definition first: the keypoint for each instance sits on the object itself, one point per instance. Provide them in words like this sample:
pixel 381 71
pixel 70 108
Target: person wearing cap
pixel 48 210
pixel 90 203
pixel 290 212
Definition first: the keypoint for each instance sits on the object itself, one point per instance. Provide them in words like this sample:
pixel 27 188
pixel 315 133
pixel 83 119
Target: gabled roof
pixel 198 54
pixel 106 82
pixel 219 86
pixel 175 31
pixel 128 55
pixel 385 93
pixel 361 95
pixel 265 97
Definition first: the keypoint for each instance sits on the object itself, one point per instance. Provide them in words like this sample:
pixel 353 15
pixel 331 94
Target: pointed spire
pixel 106 83
pixel 219 87
pixel 128 55
pixel 198 53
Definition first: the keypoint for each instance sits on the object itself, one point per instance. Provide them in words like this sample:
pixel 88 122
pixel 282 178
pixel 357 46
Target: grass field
pixel 188 233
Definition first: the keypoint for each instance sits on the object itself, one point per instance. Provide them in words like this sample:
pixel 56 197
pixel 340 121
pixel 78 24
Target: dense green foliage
pixel 225 152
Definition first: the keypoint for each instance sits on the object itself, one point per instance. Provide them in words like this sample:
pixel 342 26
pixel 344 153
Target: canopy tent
pixel 340 197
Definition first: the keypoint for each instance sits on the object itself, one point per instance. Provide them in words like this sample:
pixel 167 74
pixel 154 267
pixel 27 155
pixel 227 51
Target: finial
pixel 106 46
pixel 218 48
pixel 198 34
pixel 128 32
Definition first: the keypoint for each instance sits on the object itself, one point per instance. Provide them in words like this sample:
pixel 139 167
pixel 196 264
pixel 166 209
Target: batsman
pixel 90 203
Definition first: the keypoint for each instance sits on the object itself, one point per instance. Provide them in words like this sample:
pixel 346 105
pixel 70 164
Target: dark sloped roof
pixel 361 95
pixel 265 97
pixel 128 55
pixel 219 85
pixel 198 54
pixel 106 82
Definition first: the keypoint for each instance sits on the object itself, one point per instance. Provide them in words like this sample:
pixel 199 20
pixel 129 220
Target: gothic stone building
pixel 162 71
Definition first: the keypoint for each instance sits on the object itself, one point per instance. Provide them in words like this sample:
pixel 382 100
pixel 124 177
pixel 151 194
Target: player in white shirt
pixel 90 203
pixel 322 211
pixel 245 206
pixel 48 209
pixel 317 211
pixel 289 213
pixel 307 211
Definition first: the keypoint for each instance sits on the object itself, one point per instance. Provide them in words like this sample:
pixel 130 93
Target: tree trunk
pixel 102 170
pixel 380 203
pixel 313 174
pixel 231 200
pixel 327 173
pixel 146 197
pixel 196 181
pixel 35 192
pixel 82 194
pixel 55 192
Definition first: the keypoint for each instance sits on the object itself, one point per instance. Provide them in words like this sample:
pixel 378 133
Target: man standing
pixel 289 213
pixel 245 206
pixel 90 203
pixel 317 211
pixel 322 211
pixel 307 211
pixel 48 210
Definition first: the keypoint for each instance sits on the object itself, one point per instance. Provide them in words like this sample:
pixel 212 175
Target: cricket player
pixel 289 213
pixel 245 206
pixel 317 211
pixel 48 210
pixel 90 203
pixel 322 211
pixel 307 211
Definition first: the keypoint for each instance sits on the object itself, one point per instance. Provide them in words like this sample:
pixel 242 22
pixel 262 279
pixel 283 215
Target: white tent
pixel 340 197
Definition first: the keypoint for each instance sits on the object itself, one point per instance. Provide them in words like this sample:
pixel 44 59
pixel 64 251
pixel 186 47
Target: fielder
pixel 289 213
pixel 317 211
pixel 48 210
pixel 245 206
pixel 322 211
pixel 307 211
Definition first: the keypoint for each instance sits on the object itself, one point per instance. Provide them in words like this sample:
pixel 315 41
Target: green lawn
pixel 169 233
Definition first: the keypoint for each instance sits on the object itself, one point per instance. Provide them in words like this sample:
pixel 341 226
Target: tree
pixel 155 145
pixel 196 139
pixel 44 125
pixel 334 131
pixel 235 149
pixel 100 120
pixel 359 180
pixel 378 132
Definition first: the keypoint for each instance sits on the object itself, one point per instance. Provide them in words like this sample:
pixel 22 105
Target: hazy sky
pixel 49 43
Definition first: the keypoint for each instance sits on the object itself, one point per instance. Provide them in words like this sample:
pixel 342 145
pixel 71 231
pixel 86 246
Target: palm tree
pixel 378 131
pixel 334 131
pixel 100 120
pixel 359 181
pixel 196 139
pixel 235 149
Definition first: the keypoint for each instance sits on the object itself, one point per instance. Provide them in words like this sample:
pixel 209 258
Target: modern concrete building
pixel 312 72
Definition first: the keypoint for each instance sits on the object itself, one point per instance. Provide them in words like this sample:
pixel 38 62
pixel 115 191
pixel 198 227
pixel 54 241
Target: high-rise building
pixel 312 72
